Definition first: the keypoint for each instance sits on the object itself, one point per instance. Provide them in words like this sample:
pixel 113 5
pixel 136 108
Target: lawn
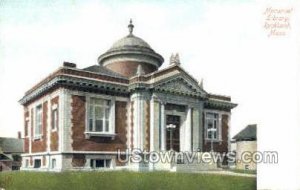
pixel 244 171
pixel 122 180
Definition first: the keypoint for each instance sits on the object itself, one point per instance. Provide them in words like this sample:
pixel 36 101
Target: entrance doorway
pixel 173 135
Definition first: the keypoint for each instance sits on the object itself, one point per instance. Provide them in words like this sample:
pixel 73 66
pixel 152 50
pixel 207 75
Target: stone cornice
pixel 78 73
pixel 73 82
pixel 219 104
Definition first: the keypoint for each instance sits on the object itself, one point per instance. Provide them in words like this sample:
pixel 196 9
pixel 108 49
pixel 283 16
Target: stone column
pixel 154 124
pixel 163 127
pixel 139 118
pixel 154 127
pixel 197 127
pixel 188 129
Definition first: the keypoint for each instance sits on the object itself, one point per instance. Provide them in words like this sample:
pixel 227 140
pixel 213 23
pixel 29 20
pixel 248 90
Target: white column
pixel 49 127
pixel 163 128
pixel 197 127
pixel 112 115
pixel 136 117
pixel 152 125
pixel 62 119
pixel 151 165
pixel 139 120
pixel 188 128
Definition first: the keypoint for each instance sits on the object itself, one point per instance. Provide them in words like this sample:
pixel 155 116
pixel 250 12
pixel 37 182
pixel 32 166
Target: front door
pixel 173 140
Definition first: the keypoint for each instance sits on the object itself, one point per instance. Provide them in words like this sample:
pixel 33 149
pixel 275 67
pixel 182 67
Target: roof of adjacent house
pixel 248 133
pixel 11 145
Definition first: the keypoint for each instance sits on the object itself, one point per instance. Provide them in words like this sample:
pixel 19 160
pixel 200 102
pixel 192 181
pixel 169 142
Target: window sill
pixel 213 140
pixel 37 138
pixel 99 134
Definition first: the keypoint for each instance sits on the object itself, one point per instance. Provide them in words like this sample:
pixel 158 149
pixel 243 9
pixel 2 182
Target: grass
pixel 244 171
pixel 122 180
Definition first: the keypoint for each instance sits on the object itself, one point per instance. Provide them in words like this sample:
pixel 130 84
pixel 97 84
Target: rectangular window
pixel 53 163
pixel 100 163
pixel 98 116
pixel 38 121
pixel 26 163
pixel 37 163
pixel 54 119
pixel 212 126
pixel 26 128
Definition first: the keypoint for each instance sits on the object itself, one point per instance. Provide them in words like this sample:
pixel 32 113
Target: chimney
pixel 19 135
pixel 68 64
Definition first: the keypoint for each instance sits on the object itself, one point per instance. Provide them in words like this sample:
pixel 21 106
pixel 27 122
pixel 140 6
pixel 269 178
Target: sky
pixel 222 42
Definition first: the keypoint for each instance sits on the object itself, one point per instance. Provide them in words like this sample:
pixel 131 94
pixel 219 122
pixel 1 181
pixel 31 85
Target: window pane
pixel 107 113
pixel 99 125
pixel 209 115
pixel 54 119
pixel 91 125
pixel 209 134
pixel 99 113
pixel 215 124
pixel 99 163
pixel 99 102
pixel 37 163
pixel 91 111
pixel 209 124
pixel 38 125
pixel 106 125
pixel 92 101
pixel 40 128
pixel 215 135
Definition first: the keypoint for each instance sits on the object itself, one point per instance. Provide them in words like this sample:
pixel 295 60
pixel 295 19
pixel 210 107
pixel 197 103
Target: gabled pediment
pixel 179 84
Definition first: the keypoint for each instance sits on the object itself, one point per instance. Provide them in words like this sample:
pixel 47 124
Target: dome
pixel 126 54
pixel 130 41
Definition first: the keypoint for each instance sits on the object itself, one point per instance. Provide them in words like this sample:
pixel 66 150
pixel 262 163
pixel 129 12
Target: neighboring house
pixel 246 143
pixel 233 145
pixel 80 118
pixel 10 153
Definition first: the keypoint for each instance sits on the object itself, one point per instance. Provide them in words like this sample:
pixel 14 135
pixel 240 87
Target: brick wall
pixel 129 68
pixel 26 128
pixel 80 143
pixel 54 134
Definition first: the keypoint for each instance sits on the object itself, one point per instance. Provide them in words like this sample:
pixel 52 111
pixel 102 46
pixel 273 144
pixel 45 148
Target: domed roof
pixel 131 41
pixel 131 49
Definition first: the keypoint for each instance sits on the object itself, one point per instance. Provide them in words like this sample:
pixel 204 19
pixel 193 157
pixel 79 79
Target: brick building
pixel 80 118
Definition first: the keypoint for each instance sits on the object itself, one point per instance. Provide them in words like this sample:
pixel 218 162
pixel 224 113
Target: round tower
pixel 125 56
